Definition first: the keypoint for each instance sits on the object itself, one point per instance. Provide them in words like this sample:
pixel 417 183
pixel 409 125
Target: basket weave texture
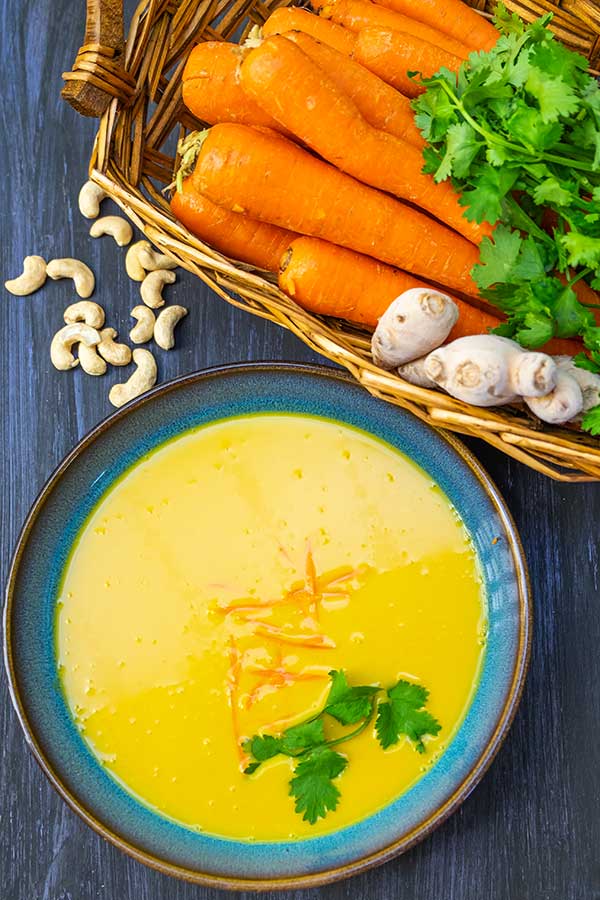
pixel 134 158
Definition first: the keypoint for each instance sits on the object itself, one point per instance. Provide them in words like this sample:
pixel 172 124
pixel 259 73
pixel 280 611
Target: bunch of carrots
pixel 312 166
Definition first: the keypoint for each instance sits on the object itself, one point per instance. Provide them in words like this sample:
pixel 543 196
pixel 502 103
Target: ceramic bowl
pixel 43 547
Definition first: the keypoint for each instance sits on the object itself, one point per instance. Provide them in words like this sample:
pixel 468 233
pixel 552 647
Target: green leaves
pixel 554 96
pixel 403 714
pixel 349 704
pixel 312 786
pixel 582 250
pixel 317 764
pixel 484 200
pixel 517 130
pixel 591 421
pixel 508 258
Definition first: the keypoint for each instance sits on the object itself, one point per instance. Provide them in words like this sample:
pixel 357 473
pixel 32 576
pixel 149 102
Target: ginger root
pixel 562 404
pixel 489 370
pixel 416 322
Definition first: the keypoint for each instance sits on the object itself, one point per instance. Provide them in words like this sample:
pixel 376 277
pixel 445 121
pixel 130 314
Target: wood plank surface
pixel 531 830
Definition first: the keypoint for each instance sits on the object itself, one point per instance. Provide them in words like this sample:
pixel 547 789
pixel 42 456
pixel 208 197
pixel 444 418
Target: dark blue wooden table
pixel 531 830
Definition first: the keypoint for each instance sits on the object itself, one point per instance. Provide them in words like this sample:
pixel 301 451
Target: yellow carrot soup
pixel 217 583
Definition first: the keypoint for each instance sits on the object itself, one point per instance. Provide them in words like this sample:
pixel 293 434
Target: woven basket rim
pixel 160 36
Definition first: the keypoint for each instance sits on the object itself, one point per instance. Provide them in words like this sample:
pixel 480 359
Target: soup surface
pixel 218 582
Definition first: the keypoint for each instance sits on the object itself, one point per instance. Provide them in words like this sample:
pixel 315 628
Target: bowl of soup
pixel 264 630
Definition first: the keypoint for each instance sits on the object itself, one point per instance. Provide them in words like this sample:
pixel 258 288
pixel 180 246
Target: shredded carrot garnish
pixel 320 641
pixel 233 683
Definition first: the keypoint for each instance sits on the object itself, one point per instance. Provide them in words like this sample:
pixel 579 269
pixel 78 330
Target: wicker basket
pixel 135 88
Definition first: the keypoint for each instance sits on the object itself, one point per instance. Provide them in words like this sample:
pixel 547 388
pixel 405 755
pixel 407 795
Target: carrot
pixel 300 96
pixel 232 234
pixel 452 17
pixel 331 281
pixel 359 14
pixel 290 18
pixel 265 176
pixel 392 54
pixel 381 105
pixel 211 88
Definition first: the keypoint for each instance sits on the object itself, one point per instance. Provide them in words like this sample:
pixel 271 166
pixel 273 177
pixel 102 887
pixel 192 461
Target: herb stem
pixel 508 145
pixel 578 277
pixel 357 731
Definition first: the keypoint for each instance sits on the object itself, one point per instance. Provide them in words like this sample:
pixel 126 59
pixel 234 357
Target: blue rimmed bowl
pixel 44 545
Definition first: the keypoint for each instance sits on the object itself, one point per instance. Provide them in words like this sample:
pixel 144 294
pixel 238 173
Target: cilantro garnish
pixel 403 713
pixel 312 786
pixel 517 130
pixel 318 765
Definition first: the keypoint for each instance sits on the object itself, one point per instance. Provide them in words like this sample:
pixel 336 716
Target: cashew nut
pixel 133 266
pixel 141 258
pixel 90 361
pixel 90 197
pixel 165 325
pixel 561 404
pixel 415 323
pixel 82 275
pixel 84 311
pixel 33 277
pixel 143 331
pixel 152 286
pixel 63 340
pixel 151 260
pixel 118 228
pixel 113 353
pixel 141 381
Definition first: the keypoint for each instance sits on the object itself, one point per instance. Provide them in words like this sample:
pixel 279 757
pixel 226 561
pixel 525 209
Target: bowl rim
pixel 395 848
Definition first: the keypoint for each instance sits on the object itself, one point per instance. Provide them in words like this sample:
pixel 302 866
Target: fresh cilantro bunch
pixel 517 130
pixel 312 785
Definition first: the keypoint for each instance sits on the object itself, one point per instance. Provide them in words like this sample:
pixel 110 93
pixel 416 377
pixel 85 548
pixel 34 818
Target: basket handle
pixel 98 74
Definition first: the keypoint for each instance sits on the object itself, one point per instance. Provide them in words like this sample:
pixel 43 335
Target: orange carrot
pixel 359 14
pixel 211 88
pixel 331 281
pixel 380 104
pixel 263 175
pixel 452 17
pixel 232 234
pixel 392 54
pixel 289 86
pixel 290 18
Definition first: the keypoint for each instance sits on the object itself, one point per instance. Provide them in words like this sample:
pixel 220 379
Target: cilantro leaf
pixel 536 330
pixel 462 147
pixel 591 421
pixel 403 714
pixel 581 249
pixel 555 97
pixel 312 785
pixel 582 361
pixel 293 742
pixel 263 747
pixel 483 201
pixel 571 316
pixel 526 126
pixel 507 22
pixel 302 737
pixel 550 190
pixel 498 257
pixel 349 704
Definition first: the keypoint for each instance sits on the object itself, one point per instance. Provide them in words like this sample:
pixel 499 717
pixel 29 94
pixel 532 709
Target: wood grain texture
pixel 531 830
pixel 103 27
